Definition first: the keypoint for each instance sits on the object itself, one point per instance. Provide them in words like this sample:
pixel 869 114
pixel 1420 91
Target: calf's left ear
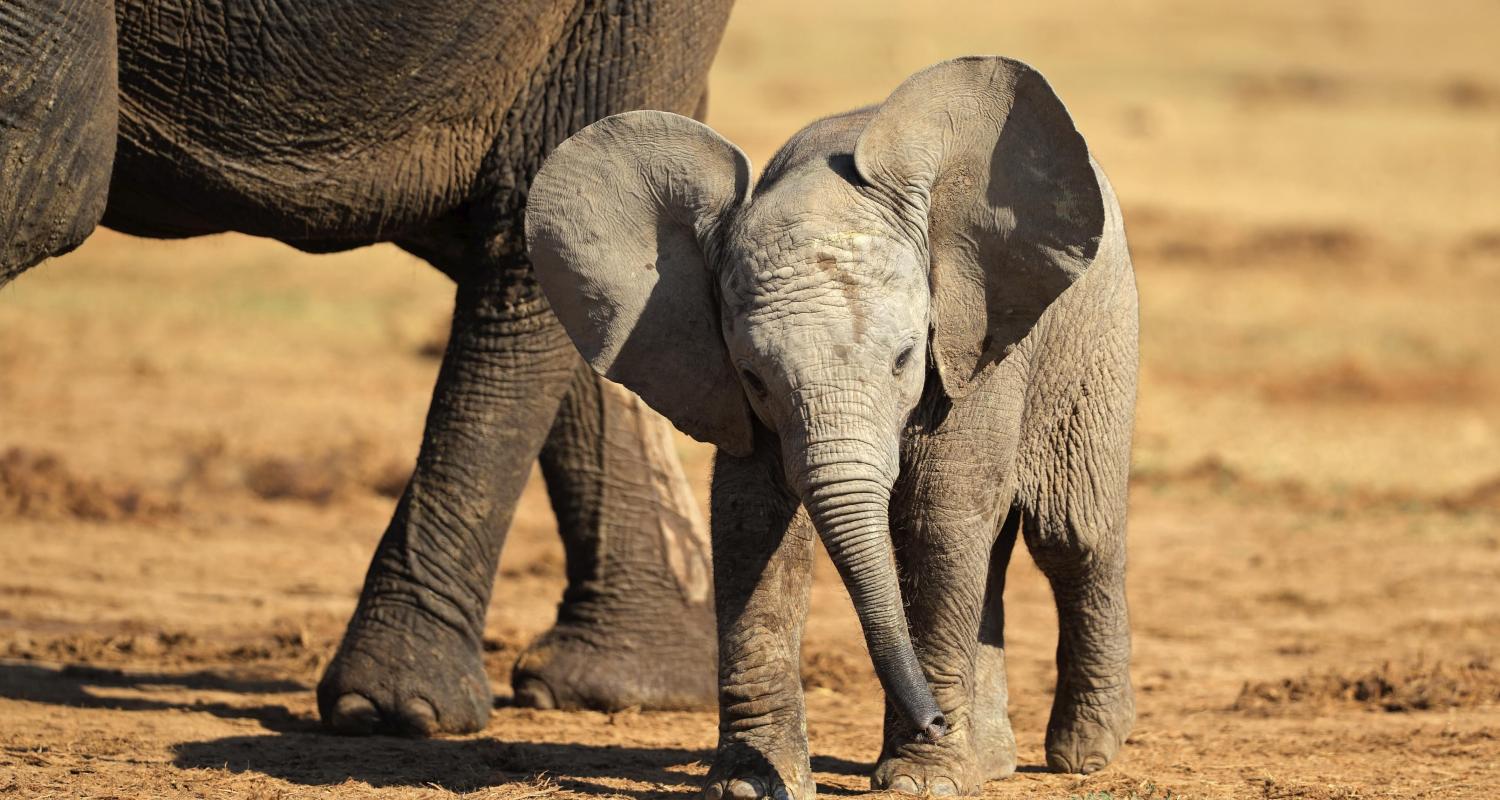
pixel 618 224
pixel 983 153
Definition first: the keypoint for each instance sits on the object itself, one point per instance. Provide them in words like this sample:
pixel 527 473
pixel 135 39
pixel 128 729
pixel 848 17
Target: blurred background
pixel 200 441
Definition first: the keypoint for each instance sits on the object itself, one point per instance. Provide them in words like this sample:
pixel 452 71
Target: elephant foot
pixel 399 672
pixel 939 770
pixel 1088 727
pixel 652 659
pixel 945 767
pixel 740 772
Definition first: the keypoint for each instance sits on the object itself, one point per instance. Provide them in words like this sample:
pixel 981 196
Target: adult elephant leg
pixel 410 660
pixel 636 624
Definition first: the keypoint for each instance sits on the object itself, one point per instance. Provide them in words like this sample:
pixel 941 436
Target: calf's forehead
pixel 813 229
pixel 863 287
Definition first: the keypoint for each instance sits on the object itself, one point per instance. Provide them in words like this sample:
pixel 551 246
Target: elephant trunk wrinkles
pixel 848 500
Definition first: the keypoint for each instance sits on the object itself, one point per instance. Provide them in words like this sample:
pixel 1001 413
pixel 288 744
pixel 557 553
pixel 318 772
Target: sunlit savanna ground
pixel 1312 192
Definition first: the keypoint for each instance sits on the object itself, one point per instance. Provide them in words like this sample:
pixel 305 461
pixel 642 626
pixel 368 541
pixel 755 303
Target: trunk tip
pixel 934 730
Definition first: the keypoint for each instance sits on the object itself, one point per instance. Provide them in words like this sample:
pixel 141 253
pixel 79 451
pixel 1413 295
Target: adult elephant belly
pixel 323 123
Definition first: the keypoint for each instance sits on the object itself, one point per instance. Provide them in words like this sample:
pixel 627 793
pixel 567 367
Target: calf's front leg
pixel 948 513
pixel 762 556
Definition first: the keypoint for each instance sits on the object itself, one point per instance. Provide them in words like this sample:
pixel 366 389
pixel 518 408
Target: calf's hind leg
pixel 1073 520
pixel 1094 707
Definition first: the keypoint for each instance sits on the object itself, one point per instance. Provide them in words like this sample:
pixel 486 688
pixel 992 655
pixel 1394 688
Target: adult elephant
pixel 333 124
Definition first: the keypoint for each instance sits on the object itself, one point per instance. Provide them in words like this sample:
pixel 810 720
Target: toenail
pixel 745 789
pixel 354 713
pixel 904 783
pixel 713 791
pixel 941 787
pixel 418 718
pixel 532 693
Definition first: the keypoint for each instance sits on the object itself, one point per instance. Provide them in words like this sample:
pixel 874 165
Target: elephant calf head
pixel 935 228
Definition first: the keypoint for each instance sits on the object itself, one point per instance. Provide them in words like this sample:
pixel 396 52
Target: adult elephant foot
pixel 607 660
pixel 636 625
pixel 401 673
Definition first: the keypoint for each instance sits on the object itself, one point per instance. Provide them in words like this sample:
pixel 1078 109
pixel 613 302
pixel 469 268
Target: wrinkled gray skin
pixel 332 124
pixel 921 329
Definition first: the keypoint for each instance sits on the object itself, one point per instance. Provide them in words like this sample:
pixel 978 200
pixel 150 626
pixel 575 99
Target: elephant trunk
pixel 848 501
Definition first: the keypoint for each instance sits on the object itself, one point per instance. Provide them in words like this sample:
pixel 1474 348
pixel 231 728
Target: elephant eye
pixel 754 382
pixel 901 359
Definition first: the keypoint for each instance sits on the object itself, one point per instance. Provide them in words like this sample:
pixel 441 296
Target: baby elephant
pixel 921 328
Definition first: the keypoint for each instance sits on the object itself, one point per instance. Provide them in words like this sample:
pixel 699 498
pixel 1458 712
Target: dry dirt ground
pixel 199 440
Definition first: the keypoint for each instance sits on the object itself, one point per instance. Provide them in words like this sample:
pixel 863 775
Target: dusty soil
pixel 199 440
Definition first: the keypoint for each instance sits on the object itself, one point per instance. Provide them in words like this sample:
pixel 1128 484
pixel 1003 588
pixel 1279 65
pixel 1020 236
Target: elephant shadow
pixel 466 765
pixel 301 752
pixel 77 685
pixel 455 765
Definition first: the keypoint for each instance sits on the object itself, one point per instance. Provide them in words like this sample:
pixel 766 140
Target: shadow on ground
pixel 299 751
pixel 78 686
pixel 456 765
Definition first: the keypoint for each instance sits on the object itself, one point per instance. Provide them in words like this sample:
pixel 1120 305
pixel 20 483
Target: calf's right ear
pixel 617 224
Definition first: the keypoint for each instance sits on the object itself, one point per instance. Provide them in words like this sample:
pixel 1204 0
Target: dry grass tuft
pixel 1419 686
pixel 1214 475
pixel 329 476
pixel 287 645
pixel 41 486
pixel 1351 380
